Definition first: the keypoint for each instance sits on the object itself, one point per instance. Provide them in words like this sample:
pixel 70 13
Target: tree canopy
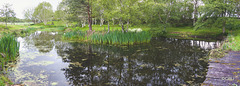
pixel 7 14
pixel 43 12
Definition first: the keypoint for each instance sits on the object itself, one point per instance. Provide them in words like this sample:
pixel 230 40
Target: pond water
pixel 46 60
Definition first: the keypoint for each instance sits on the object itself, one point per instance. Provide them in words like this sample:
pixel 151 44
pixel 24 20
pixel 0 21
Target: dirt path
pixel 224 71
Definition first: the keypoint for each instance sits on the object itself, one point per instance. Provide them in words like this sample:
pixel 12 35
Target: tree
pixel 61 12
pixel 216 12
pixel 43 12
pixel 6 13
pixel 80 9
pixel 28 15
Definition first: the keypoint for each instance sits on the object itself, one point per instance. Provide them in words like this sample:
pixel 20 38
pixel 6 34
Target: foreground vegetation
pixel 9 48
pixel 231 43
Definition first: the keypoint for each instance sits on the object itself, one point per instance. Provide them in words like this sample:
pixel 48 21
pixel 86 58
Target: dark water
pixel 45 60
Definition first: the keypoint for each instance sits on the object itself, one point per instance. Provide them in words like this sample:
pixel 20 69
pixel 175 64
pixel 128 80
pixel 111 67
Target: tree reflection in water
pixel 163 62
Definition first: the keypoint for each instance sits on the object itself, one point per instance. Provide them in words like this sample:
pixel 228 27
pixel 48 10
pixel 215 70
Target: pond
pixel 46 60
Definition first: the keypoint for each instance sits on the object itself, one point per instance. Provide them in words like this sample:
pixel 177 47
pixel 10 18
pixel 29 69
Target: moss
pixel 217 53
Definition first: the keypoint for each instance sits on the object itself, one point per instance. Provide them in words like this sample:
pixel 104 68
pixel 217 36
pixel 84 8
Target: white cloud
pixel 20 5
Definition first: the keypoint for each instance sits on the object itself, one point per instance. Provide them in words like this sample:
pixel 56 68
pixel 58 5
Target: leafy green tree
pixel 79 9
pixel 216 13
pixel 61 13
pixel 6 12
pixel 43 12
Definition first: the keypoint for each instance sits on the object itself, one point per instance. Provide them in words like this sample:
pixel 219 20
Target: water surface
pixel 46 60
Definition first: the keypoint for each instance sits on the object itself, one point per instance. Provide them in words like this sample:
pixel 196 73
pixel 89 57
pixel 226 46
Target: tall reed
pixel 75 35
pixel 120 38
pixel 9 49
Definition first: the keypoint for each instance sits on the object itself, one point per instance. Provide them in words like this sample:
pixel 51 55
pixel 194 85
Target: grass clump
pixel 75 35
pixel 4 80
pixel 118 37
pixel 232 43
pixel 9 48
pixel 29 29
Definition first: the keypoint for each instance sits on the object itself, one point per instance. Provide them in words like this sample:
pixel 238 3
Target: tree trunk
pixel 195 12
pixel 224 23
pixel 120 22
pixel 113 20
pixel 6 21
pixel 95 21
pixel 89 17
pixel 127 25
pixel 101 21
pixel 6 24
pixel 122 28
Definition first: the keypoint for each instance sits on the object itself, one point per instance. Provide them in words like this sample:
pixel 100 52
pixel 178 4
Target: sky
pixel 20 5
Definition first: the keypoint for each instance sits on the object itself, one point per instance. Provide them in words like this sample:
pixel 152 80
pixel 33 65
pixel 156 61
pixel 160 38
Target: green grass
pixel 4 80
pixel 187 32
pixel 29 29
pixel 232 43
pixel 9 48
pixel 120 38
pixel 57 29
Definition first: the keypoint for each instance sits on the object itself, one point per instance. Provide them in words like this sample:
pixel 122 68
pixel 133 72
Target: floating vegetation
pixel 120 38
pixel 42 63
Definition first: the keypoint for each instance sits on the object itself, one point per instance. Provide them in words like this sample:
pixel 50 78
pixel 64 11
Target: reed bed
pixel 9 49
pixel 75 35
pixel 120 38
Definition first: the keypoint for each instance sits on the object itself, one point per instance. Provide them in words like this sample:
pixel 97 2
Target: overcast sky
pixel 20 5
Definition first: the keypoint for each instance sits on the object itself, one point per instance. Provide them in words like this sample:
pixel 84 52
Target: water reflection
pixel 164 61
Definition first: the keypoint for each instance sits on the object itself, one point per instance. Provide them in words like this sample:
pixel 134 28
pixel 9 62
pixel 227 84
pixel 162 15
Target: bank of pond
pixel 77 52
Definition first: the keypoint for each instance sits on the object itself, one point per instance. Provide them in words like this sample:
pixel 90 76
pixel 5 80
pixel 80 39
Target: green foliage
pixel 7 14
pixel 232 43
pixel 29 29
pixel 28 14
pixel 215 13
pixel 43 12
pixel 4 80
pixel 117 37
pixel 9 48
pixel 75 35
pixel 233 24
